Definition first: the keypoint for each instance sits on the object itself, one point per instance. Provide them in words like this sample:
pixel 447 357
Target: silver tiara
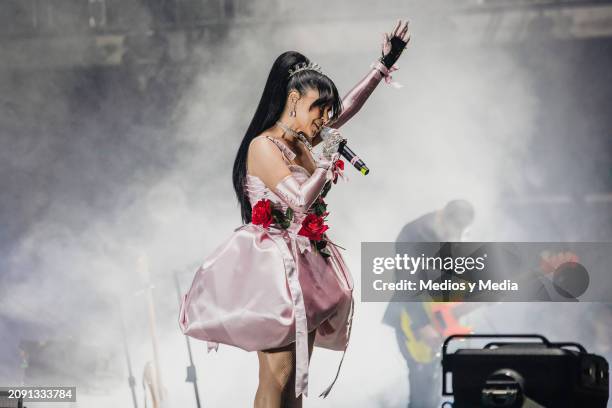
pixel 302 66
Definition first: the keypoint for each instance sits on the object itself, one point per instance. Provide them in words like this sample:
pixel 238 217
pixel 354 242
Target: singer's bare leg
pixel 277 376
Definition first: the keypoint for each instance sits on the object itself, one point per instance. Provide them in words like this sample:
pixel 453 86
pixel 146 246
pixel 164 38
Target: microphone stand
pixel 191 370
pixel 131 379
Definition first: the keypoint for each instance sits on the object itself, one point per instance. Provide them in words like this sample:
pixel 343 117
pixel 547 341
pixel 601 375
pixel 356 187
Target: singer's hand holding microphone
pixel 334 144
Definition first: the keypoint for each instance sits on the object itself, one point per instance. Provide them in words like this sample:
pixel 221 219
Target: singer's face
pixel 310 119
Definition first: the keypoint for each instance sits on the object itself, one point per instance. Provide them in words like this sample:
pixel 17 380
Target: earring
pixel 292 113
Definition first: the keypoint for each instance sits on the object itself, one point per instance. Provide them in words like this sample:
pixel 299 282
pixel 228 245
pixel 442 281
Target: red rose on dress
pixel 313 227
pixel 262 213
pixel 337 169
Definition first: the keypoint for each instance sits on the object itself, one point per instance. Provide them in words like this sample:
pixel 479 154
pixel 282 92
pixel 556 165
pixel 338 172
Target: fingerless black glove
pixel 397 46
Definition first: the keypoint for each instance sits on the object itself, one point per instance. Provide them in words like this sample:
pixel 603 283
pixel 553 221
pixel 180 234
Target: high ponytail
pixel 271 106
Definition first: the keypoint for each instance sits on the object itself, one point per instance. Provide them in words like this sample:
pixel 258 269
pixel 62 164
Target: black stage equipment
pixel 530 372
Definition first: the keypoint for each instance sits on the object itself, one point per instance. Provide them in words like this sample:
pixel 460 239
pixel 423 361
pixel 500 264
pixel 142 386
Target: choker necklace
pixel 295 134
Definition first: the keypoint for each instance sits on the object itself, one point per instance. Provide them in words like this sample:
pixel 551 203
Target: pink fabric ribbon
pixel 388 77
pixel 211 345
pixel 301 243
pixel 386 73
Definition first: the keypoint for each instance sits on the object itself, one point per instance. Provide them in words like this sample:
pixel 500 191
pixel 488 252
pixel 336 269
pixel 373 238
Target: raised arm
pixel 354 100
pixel 392 46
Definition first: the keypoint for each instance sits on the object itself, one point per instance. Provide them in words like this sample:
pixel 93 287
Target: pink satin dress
pixel 266 288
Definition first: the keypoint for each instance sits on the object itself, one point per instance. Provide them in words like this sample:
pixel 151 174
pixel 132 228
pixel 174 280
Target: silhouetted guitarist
pixel 420 327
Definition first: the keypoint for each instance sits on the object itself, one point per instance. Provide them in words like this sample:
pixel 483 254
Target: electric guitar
pixel 443 319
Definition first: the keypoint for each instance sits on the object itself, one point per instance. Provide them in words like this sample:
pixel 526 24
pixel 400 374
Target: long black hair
pixel 271 106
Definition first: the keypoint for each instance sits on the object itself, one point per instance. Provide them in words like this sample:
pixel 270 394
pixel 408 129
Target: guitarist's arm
pixel 429 335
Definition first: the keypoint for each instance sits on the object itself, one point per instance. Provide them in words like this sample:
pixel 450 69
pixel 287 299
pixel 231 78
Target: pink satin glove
pixel 391 48
pixel 299 197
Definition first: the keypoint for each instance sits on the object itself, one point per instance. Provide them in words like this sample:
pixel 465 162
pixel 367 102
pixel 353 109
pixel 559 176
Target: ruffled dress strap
pixel 288 154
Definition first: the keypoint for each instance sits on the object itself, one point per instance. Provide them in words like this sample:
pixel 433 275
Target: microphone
pixel 333 142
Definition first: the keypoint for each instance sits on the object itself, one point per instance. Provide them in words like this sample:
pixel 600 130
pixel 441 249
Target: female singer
pixel 279 285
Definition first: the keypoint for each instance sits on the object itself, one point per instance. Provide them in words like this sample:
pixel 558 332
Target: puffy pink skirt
pixel 263 288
